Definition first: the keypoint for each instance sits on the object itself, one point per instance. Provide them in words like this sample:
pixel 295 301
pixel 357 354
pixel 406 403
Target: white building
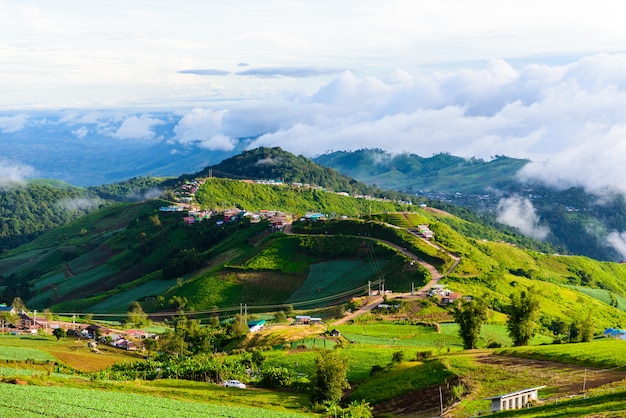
pixel 515 400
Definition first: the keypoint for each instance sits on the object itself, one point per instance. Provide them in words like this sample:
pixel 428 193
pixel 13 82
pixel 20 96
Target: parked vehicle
pixel 234 384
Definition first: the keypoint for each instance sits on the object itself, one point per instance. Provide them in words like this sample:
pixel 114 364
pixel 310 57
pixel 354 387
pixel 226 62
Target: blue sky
pixel 544 80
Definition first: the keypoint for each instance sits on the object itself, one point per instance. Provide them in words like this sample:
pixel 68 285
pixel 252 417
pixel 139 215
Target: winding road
pixel 435 275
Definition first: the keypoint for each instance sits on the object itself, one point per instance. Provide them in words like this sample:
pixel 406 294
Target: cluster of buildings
pixel 425 231
pixel 445 296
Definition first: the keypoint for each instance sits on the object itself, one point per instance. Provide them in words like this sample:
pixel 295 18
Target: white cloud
pixel 14 174
pixel 218 142
pixel 198 125
pixel 78 204
pixel 204 127
pixel 617 240
pixel 12 123
pixel 520 213
pixel 137 127
pixel 81 132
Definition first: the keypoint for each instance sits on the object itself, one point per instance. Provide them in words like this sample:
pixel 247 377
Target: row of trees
pixel 523 321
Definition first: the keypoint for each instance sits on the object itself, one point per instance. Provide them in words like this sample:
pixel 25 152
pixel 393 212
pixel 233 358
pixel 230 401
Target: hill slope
pixel 102 262
pixel 412 173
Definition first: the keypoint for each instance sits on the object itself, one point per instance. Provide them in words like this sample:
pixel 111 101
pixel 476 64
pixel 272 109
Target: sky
pixel 542 80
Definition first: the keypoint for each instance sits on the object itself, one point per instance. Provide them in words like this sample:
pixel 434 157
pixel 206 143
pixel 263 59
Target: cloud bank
pixel 570 120
pixel 520 213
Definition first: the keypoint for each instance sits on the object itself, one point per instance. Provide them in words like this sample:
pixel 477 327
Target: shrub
pixel 376 369
pixel 275 377
pixel 398 356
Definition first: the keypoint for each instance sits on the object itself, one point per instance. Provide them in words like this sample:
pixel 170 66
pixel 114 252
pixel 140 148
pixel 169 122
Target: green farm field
pixel 53 401
pixel 332 277
pixel 68 351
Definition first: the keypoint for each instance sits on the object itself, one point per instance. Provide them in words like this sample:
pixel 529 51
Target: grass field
pixel 403 378
pixel 360 359
pixel 603 353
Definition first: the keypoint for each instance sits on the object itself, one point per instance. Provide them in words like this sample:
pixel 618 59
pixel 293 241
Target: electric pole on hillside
pixel 369 288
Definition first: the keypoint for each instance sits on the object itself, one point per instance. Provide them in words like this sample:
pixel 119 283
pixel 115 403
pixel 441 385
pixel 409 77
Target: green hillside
pixel 408 172
pixel 211 269
pixel 107 259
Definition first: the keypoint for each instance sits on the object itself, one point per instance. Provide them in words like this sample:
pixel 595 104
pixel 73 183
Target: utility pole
pixel 441 401
pixel 369 288
pixel 585 381
pixel 412 288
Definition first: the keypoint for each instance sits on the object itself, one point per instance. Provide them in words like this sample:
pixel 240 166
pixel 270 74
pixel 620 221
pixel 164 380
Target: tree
pixel 136 315
pixel 150 344
pixel 59 333
pixel 329 378
pixel 18 304
pixel 470 315
pixel 588 328
pixel 239 327
pixel 523 316
pixel 280 317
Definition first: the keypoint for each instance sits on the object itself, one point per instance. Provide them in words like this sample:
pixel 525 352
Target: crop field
pixel 53 279
pixel 37 401
pixel 23 354
pixel 604 353
pixel 120 301
pixel 71 352
pixel 15 264
pixel 280 256
pixel 603 295
pixel 332 277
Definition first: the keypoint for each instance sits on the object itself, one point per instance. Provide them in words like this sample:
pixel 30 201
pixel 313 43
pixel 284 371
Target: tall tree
pixel 588 328
pixel 136 315
pixel 470 315
pixel 523 316
pixel 18 304
pixel 329 377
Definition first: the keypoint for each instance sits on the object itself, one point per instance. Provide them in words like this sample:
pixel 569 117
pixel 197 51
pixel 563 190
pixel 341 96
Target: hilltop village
pixel 185 202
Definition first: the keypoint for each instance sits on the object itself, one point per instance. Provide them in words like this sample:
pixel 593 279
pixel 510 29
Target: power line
pixel 340 295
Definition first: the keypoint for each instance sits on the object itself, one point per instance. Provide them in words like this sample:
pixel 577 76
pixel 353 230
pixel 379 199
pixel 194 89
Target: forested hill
pixel 409 172
pixel 27 210
pixel 277 164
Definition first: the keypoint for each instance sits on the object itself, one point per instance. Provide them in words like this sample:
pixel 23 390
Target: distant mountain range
pixel 412 173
